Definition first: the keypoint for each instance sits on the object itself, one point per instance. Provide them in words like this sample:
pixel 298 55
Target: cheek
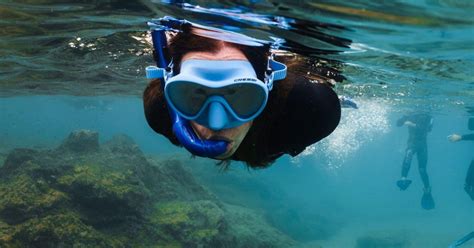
pixel 241 132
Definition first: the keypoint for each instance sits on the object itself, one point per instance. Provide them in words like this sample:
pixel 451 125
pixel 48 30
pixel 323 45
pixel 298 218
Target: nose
pixel 217 116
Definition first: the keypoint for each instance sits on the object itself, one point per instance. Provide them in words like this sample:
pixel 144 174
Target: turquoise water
pixel 67 66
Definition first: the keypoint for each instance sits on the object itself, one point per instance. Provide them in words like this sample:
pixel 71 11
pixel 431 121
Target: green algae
pixel 198 222
pixel 173 213
pixel 111 182
pixel 22 198
pixel 111 196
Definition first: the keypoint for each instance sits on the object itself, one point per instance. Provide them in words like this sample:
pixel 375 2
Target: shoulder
pixel 307 113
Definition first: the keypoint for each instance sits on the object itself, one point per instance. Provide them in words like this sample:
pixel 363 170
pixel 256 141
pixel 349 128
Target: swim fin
pixel 403 183
pixel 427 201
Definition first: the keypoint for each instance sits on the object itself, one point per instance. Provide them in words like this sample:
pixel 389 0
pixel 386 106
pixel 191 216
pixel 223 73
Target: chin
pixel 230 151
pixel 225 156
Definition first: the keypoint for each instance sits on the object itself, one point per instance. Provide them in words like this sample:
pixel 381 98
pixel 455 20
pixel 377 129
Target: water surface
pixel 68 65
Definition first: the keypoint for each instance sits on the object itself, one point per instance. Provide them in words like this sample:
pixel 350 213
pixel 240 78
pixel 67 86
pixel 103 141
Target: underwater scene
pixel 81 167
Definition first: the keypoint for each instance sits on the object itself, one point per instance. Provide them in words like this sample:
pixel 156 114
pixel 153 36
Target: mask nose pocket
pixel 217 116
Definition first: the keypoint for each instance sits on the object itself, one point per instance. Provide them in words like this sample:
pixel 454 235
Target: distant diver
pixel 419 125
pixel 469 184
pixel 223 95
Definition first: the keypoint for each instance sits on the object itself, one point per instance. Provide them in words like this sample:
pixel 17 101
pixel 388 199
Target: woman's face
pixel 233 135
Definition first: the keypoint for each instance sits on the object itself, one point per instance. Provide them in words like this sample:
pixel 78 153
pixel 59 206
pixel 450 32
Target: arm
pixel 468 136
pixel 456 137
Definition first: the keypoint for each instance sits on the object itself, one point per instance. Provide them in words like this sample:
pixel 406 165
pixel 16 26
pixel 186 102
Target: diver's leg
pixel 407 162
pixel 403 183
pixel 422 155
pixel 427 201
pixel 469 185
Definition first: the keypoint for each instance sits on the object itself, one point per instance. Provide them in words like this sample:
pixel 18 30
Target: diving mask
pixel 218 94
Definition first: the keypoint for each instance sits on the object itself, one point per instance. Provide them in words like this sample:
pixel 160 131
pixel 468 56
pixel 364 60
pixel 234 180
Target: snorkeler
pixel 469 184
pixel 419 125
pixel 221 95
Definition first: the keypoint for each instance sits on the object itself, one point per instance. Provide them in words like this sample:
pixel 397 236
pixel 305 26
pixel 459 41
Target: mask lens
pixel 188 97
pixel 244 99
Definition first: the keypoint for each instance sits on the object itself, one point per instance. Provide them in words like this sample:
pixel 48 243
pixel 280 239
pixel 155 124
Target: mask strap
pixel 278 72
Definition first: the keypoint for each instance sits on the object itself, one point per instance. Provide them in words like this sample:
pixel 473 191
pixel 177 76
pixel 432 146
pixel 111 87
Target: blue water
pixel 67 66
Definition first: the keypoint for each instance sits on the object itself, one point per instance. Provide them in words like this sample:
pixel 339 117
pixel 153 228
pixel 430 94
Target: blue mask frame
pixel 216 113
pixel 181 127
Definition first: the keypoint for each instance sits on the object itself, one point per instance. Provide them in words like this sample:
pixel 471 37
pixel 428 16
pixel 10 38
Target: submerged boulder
pixel 81 141
pixel 84 194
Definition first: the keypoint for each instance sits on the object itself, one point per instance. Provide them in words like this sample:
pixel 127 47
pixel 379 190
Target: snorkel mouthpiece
pixel 186 136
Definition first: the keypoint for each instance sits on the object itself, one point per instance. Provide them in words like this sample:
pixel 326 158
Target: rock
pixel 85 195
pixel 60 230
pixel 193 224
pixel 252 230
pixel 23 198
pixel 122 144
pixel 16 159
pixel 180 183
pixel 81 141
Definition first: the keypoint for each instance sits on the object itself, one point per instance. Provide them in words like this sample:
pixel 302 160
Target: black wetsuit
pixel 298 114
pixel 469 185
pixel 417 144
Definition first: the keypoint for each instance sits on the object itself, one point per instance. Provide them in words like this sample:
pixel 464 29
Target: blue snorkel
pixel 181 128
